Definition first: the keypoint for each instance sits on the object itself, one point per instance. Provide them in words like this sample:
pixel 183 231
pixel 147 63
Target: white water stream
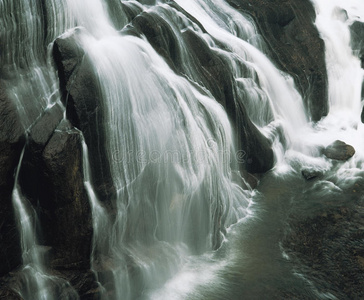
pixel 171 146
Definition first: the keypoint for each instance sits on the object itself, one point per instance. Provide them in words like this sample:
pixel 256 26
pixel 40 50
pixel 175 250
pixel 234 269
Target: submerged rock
pixel 311 174
pixel 339 150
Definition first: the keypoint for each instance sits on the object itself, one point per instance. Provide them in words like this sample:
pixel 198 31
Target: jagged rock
pixel 65 209
pixel 83 101
pixel 294 44
pixel 12 140
pixel 339 150
pixel 30 177
pixel 67 56
pixel 310 174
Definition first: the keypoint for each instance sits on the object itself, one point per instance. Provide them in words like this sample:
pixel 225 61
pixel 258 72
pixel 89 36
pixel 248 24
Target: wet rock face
pixel 294 44
pixel 82 97
pixel 65 210
pixel 12 140
pixel 218 78
pixel 160 35
pixel 357 43
pixel 30 177
pixel 67 56
pixel 339 150
pixel 51 178
pixel 212 72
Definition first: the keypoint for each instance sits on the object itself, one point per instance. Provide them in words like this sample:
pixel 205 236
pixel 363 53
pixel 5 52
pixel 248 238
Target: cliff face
pixel 294 45
pixel 51 176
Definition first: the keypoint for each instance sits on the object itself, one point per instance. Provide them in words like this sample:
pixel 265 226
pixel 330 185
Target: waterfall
pixel 171 148
pixel 170 142
pixel 333 20
pixel 345 77
pixel 177 210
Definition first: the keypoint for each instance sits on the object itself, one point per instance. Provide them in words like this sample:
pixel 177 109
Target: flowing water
pixel 35 283
pixel 181 226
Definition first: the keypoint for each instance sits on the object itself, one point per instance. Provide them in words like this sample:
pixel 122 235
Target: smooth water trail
pixel 28 29
pixel 344 71
pixel 29 79
pixel 188 172
pixel 171 146
pixel 34 281
pixel 244 43
pixel 171 150
pixel 169 143
pixel 345 83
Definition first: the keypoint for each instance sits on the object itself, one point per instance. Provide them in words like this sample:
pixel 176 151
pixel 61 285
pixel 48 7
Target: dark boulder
pixel 12 140
pixel 339 150
pixel 357 43
pixel 51 177
pixel 67 55
pixel 65 210
pixel 83 100
pixel 294 44
pixel 30 177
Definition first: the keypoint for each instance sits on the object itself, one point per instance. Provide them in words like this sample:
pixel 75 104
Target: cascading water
pixel 181 180
pixel 35 282
pixel 26 71
pixel 187 175
pixel 179 225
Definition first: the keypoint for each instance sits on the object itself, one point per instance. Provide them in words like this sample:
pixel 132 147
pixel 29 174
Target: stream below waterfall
pixel 181 221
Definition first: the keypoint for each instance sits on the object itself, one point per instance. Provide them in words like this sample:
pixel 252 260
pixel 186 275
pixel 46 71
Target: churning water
pixel 182 227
